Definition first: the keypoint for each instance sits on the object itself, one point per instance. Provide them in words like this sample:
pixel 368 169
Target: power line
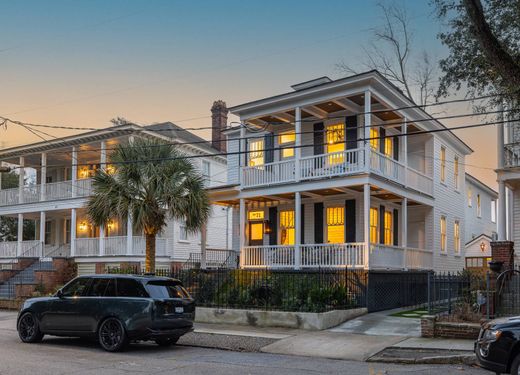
pixel 420 132
pixel 302 132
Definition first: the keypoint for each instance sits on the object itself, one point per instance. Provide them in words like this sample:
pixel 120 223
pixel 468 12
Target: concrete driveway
pixel 381 324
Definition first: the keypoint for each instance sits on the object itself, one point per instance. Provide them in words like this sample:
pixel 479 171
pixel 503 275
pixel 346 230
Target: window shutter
pixel 351 132
pixel 396 148
pixel 318 222
pixel 381 224
pixel 396 227
pixel 302 222
pixel 350 220
pixel 273 222
pixel 319 140
pixel 268 148
pixel 382 135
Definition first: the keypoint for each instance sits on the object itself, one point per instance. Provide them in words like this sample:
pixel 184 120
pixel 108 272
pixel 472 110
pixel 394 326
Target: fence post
pixel 488 282
pixel 429 294
pixel 449 293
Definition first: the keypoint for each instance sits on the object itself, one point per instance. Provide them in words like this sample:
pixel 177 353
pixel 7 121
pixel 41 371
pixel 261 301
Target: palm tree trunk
pixel 149 263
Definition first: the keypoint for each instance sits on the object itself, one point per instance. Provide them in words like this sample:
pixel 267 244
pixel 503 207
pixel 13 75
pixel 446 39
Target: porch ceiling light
pixel 82 226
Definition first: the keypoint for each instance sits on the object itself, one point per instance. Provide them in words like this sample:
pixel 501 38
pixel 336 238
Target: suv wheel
pixel 112 335
pixel 515 365
pixel 167 341
pixel 28 328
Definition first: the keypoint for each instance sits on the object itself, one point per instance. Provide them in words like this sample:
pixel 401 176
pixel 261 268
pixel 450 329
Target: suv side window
pixel 76 287
pixel 130 288
pixel 102 288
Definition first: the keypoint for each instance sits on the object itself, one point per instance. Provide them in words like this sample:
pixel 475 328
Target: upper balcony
pixel 344 163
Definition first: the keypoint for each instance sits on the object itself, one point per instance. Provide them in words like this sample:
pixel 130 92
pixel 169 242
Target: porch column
pixel 129 236
pixel 366 222
pixel 404 228
pixel 203 238
pixel 42 231
pixel 242 157
pixel 43 175
pixel 242 226
pixel 103 155
pixel 74 171
pixel 298 142
pixel 366 128
pixel 73 232
pixel 20 235
pixel 21 179
pixel 101 240
pixel 297 230
pixel 404 130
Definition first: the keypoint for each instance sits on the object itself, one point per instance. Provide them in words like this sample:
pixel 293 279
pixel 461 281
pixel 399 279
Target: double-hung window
pixel 456 237
pixel 388 230
pixel 335 143
pixel 443 234
pixel 374 225
pixel 183 232
pixel 479 206
pixel 335 224
pixel 456 172
pixel 286 141
pixel 374 138
pixel 443 164
pixel 256 152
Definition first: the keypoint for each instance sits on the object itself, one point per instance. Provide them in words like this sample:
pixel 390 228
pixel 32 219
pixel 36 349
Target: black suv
pixel 498 346
pixel 115 309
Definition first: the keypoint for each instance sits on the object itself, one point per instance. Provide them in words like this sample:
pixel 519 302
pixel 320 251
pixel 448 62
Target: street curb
pixel 466 359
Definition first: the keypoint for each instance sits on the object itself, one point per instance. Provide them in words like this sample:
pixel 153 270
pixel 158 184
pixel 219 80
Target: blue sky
pixel 84 62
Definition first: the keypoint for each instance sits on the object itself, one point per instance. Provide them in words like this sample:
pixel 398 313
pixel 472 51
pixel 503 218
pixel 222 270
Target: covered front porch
pixel 361 226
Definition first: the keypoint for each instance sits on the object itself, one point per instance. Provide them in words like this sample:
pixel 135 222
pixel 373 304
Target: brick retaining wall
pixel 431 327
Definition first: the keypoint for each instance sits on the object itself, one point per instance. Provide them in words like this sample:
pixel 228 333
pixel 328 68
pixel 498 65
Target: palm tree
pixel 151 182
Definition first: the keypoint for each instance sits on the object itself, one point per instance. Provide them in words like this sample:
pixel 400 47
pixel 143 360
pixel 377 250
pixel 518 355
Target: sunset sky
pixel 81 63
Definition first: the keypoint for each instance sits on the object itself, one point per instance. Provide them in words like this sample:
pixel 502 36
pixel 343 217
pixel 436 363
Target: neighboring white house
pixel 330 175
pixel 481 222
pixel 63 169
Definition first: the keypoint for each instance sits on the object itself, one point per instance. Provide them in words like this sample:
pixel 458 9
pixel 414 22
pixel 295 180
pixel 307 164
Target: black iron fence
pixel 310 291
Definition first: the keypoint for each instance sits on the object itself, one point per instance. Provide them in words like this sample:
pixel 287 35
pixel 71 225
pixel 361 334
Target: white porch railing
pixel 267 174
pixel 353 255
pixel 116 246
pixel 386 166
pixel 512 155
pixel 29 249
pixel 52 191
pixel 333 164
pixel 333 255
pixel 419 181
pixel 8 249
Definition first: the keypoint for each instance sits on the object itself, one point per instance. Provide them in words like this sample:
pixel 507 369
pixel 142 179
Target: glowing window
pixel 287 233
pixel 335 137
pixel 389 147
pixel 256 152
pixel 443 164
pixel 470 197
pixel 388 228
pixel 456 237
pixel 285 139
pixel 479 206
pixel 374 138
pixel 443 234
pixel 374 225
pixel 257 231
pixel 336 224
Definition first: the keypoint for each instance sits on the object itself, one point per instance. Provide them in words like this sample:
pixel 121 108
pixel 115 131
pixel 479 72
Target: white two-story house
pixel 344 172
pixel 481 223
pixel 61 171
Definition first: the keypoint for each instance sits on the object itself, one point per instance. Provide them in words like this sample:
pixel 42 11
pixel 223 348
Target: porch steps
pixel 26 276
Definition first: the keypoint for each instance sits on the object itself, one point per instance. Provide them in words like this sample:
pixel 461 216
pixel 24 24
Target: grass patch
pixel 415 313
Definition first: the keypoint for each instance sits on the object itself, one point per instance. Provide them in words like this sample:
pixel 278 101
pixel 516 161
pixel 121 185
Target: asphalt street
pixel 73 356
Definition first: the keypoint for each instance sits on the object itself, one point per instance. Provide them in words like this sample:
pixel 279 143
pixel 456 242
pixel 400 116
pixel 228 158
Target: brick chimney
pixel 219 114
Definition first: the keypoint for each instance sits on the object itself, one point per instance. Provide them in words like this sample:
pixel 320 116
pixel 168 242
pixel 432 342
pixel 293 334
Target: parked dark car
pixel 498 346
pixel 115 309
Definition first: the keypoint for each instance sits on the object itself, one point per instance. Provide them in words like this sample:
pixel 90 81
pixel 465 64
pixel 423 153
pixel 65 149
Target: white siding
pixel 475 225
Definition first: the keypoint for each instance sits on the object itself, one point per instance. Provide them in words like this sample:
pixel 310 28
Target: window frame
pixel 456 171
pixel 183 232
pixel 444 234
pixel 205 163
pixel 253 151
pixel 388 230
pixel 287 230
pixel 442 158
pixel 374 228
pixel 341 215
pixel 456 237
pixel 479 206
pixel 288 145
pixel 470 197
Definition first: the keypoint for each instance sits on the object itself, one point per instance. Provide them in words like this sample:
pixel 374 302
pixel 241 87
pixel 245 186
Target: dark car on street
pixel 498 346
pixel 114 309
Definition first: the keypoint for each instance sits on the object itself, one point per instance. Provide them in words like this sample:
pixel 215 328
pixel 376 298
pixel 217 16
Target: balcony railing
pixel 51 191
pixel 28 249
pixel 342 163
pixel 354 255
pixel 512 155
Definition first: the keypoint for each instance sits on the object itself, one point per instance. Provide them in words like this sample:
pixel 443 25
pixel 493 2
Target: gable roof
pixel 477 238
pixel 483 186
